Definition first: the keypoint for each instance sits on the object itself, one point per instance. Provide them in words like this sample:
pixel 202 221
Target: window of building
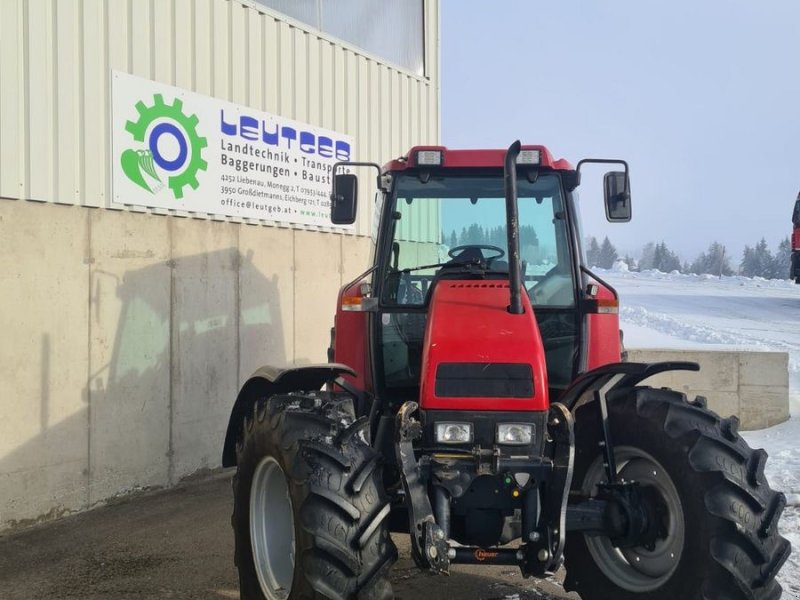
pixel 391 29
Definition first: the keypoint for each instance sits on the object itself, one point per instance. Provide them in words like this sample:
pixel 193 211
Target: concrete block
pixel 317 280
pixel 718 370
pixel 266 298
pixel 205 346
pixel 754 386
pixel 130 358
pixel 44 360
pixel 724 404
pixel 763 405
pixel 764 368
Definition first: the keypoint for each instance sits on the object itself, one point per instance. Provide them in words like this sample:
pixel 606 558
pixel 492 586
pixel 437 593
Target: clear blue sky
pixel 701 97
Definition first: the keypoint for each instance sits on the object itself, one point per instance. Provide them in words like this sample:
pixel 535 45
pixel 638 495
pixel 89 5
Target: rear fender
pixel 268 381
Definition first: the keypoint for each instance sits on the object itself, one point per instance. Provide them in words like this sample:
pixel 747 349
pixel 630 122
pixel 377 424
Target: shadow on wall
pixel 169 345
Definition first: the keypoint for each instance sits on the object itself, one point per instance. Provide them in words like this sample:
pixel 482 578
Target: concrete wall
pixel 127 337
pixel 127 332
pixel 754 386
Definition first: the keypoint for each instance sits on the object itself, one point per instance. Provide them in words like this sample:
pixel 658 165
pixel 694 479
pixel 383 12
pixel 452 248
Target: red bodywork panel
pixel 468 322
pixel 796 238
pixel 474 158
pixel 602 330
pixel 350 341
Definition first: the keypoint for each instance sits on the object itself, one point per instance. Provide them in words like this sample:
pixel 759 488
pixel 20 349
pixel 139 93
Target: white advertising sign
pixel 180 150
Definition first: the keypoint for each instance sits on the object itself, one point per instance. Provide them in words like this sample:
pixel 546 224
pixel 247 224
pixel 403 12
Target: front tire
pixel 720 538
pixel 310 512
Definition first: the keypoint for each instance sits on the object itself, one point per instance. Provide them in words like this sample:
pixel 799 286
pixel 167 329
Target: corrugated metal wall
pixel 56 58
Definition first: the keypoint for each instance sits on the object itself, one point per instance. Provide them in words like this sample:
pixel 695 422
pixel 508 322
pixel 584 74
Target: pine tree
pixel 718 262
pixel 608 255
pixel 527 236
pixel 748 265
pixel 664 259
pixel 713 262
pixel 593 252
pixel 648 255
pixel 782 261
pixel 453 239
pixel 757 261
pixel 475 235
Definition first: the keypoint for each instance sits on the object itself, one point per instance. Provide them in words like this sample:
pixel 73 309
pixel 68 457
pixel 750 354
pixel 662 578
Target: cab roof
pixel 473 158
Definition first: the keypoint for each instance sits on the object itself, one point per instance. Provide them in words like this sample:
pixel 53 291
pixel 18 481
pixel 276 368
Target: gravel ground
pixel 179 544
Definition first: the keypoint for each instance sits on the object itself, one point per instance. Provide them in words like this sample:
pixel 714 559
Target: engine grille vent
pixel 479 284
pixel 489 380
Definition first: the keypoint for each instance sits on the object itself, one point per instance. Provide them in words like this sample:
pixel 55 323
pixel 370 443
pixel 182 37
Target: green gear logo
pixel 158 126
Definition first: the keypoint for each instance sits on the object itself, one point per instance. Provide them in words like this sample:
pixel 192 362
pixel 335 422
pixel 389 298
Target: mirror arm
pixel 345 164
pixel 336 198
pixel 607 161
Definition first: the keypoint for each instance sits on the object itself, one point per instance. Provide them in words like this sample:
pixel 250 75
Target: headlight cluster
pixel 454 433
pixel 515 434
pixel 508 434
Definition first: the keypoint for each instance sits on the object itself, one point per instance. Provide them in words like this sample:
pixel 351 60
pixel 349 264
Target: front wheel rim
pixel 272 530
pixel 638 569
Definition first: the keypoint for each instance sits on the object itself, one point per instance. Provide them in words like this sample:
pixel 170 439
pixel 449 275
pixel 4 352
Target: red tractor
pixel 475 400
pixel 795 274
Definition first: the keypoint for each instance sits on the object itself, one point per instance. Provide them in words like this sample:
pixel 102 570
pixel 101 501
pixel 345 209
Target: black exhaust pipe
pixel 512 226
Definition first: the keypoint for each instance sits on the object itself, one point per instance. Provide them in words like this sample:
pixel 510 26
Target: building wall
pixel 128 331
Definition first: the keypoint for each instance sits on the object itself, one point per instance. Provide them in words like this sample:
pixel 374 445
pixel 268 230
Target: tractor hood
pixel 478 355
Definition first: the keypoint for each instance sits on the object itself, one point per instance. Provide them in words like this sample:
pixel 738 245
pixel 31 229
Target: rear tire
pixel 721 532
pixel 325 532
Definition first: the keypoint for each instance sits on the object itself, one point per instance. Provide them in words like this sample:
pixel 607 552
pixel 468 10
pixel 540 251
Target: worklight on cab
pixel 529 157
pixel 429 158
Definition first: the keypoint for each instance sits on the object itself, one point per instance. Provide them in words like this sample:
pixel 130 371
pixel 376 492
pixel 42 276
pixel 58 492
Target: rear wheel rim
pixel 638 569
pixel 272 530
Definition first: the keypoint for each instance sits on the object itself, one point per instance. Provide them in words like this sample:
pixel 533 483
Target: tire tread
pixel 346 550
pixel 745 549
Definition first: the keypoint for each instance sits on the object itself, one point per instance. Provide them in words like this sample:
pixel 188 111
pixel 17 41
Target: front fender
pixel 624 375
pixel 268 381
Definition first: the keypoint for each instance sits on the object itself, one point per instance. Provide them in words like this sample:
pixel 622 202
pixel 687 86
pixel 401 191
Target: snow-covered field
pixel 670 310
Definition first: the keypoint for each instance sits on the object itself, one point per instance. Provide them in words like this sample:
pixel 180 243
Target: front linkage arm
pixel 543 552
pixel 429 546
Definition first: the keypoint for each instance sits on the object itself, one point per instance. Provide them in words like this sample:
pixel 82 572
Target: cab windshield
pixel 451 224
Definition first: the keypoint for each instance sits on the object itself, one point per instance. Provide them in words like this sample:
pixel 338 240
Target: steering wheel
pixel 456 252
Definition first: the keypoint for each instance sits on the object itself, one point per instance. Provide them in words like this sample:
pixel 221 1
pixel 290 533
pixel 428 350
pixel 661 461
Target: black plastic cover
pixel 489 380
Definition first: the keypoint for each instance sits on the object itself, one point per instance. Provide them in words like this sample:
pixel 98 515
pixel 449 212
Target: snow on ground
pixel 671 310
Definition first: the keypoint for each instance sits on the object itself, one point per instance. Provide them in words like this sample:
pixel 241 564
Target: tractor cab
pixel 444 216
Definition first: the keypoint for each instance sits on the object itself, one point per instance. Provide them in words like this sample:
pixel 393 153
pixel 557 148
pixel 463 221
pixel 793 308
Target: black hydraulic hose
pixel 512 225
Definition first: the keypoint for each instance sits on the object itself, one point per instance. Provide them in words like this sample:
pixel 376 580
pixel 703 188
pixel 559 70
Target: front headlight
pixel 515 434
pixel 453 433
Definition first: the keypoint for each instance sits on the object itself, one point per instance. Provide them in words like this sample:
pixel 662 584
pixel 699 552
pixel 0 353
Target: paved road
pixel 178 544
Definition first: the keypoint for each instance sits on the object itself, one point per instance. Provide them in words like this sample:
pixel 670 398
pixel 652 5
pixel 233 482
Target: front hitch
pixel 429 546
pixel 544 551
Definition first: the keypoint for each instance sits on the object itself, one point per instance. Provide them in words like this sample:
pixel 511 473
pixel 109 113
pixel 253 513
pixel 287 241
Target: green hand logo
pixel 142 166
pixel 137 163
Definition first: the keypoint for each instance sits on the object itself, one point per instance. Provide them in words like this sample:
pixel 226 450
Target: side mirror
pixel 617 196
pixel 344 199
